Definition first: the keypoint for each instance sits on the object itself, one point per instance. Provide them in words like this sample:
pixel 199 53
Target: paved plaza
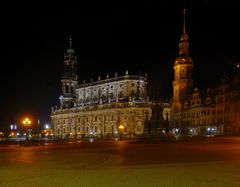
pixel 195 163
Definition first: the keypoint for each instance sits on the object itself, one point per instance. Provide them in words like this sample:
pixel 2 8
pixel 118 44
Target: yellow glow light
pixel 26 121
pixel 121 127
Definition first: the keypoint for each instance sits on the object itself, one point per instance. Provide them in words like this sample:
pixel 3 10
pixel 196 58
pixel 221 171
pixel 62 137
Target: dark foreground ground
pixel 206 162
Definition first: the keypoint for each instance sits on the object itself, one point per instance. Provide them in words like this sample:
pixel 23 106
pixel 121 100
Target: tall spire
pixel 70 79
pixel 183 66
pixel 70 42
pixel 184 26
pixel 70 50
pixel 183 45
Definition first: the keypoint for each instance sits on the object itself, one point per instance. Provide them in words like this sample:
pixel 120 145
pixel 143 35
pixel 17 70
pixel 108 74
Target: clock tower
pixel 183 82
pixel 69 80
pixel 183 67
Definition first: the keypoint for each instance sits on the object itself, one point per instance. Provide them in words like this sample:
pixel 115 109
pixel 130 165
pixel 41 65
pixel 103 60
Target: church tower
pixel 183 67
pixel 69 80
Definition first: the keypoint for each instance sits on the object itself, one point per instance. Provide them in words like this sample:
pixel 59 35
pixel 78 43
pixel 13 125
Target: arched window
pixel 139 126
pixel 182 73
pixel 112 117
pixel 66 88
pixel 112 129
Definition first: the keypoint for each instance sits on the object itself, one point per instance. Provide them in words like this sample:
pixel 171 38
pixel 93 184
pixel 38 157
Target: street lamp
pixel 46 126
pixel 121 127
pixel 26 123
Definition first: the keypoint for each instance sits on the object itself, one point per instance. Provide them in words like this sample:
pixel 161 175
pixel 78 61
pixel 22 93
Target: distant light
pixel 17 133
pixel 26 121
pixel 11 126
pixel 47 126
pixel 208 129
pixel 213 129
pixel 91 132
pixel 191 130
pixel 176 130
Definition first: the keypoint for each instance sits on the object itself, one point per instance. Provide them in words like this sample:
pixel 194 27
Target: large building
pixel 99 108
pixel 213 111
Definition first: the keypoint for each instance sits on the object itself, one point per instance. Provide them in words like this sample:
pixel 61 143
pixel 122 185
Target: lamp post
pixel 121 127
pixel 26 123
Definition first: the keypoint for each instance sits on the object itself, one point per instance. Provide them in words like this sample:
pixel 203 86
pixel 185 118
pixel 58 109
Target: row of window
pixel 104 88
pixel 87 129
pixel 207 121
pixel 95 129
pixel 219 99
pixel 206 112
pixel 86 119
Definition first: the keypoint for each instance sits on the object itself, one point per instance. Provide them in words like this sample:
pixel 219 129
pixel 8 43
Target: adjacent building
pixel 213 111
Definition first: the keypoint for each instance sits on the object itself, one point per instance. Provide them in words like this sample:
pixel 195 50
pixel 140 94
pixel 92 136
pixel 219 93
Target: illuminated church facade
pixel 102 108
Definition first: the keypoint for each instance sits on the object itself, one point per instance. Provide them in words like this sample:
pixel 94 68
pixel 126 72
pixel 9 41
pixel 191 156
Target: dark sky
pixel 109 38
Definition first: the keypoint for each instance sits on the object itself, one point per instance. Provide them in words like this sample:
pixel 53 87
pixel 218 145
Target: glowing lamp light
pixel 121 127
pixel 26 121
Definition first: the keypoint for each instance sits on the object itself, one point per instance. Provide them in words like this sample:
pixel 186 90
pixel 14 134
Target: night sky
pixel 109 38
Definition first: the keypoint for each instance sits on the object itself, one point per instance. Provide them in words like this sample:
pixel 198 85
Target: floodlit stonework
pixel 102 106
pixel 99 108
